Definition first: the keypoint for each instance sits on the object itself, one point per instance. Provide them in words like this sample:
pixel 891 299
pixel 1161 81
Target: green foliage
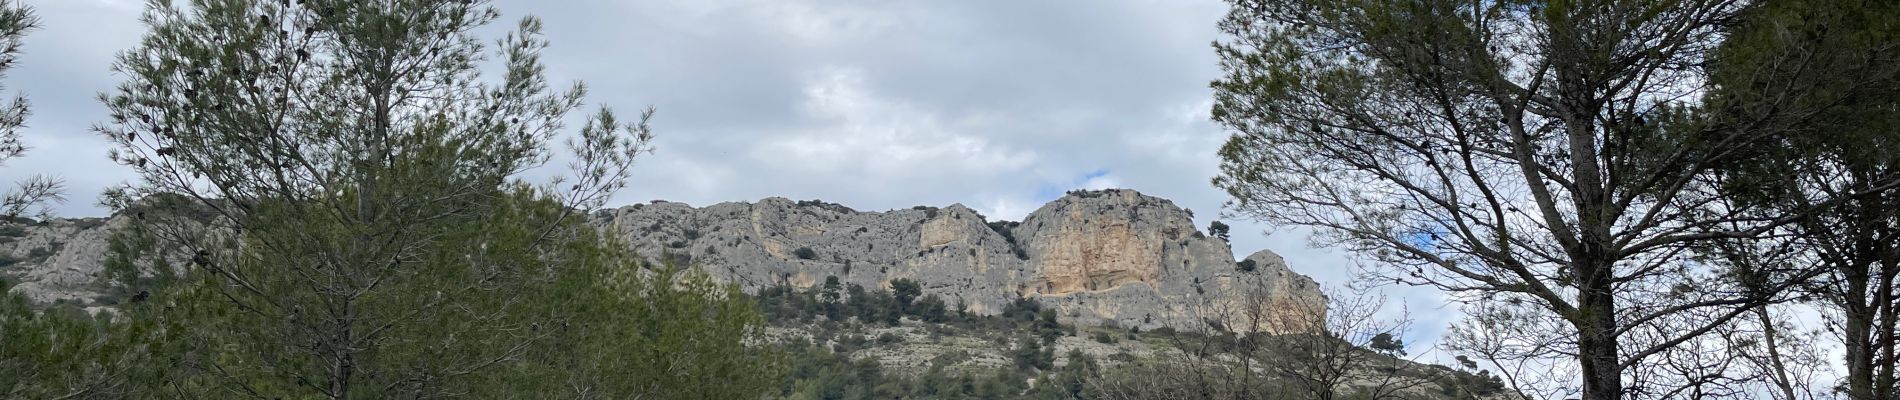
pixel 820 374
pixel 1826 71
pixel 354 228
pixel 64 353
pixel 930 309
pixel 1071 381
pixel 905 290
pixel 805 253
pixel 132 263
pixel 1219 230
pixel 1030 355
pixel 1006 229
pixel 1386 343
pixel 673 333
pixel 589 320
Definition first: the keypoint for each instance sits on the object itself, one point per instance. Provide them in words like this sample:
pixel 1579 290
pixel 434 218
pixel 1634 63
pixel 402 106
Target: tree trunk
pixel 1597 350
pixel 1860 378
pixel 341 370
pixel 1857 326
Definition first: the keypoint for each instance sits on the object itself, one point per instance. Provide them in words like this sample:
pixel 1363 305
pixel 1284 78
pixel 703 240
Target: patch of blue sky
pixel 1426 239
pixel 1051 191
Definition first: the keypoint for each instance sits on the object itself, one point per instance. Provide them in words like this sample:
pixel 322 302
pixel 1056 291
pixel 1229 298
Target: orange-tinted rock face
pixel 1099 253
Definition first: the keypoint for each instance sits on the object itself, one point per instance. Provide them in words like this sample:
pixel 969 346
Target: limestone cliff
pixel 1112 257
pixel 57 261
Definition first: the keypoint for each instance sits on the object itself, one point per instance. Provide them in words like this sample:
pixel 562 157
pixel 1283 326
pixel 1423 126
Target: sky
pixel 997 105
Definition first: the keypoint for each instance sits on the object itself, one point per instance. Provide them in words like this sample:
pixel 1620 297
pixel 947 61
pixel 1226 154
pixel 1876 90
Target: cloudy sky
pixel 998 105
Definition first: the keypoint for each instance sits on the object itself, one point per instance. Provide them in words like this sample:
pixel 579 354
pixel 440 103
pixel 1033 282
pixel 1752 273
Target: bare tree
pixel 1268 345
pixel 1354 353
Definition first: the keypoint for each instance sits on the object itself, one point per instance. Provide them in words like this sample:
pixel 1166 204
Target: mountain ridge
pixel 1103 257
pixel 1112 257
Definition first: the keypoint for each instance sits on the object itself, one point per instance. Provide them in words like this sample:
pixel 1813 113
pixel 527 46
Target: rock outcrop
pixel 56 261
pixel 1111 257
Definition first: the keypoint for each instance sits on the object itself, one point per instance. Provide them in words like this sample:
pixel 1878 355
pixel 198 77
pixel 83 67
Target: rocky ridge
pixel 1103 258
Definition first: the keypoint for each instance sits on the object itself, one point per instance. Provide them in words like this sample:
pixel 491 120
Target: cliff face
pixel 1113 257
pixel 57 261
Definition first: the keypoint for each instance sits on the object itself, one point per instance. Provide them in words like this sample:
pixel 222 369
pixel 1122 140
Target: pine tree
pixel 357 226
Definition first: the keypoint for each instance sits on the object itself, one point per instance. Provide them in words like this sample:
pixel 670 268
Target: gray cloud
pixel 878 105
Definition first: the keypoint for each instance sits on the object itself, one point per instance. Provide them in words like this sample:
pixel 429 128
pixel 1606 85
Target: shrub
pixel 40 253
pixel 1104 338
pixel 930 309
pixel 805 253
pixel 1030 355
pixel 1245 266
pixel 1219 230
pixel 950 358
pixel 906 290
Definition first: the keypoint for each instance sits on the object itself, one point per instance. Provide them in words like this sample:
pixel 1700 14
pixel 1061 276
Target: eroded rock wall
pixel 1111 257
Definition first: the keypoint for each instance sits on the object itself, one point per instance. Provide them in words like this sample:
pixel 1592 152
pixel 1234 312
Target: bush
pixel 930 309
pixel 950 358
pixel 40 253
pixel 1030 355
pixel 1245 266
pixel 1219 230
pixel 805 253
pixel 905 290
pixel 1104 338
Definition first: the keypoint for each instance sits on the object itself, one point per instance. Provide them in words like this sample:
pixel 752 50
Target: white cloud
pixel 1103 181
pixel 862 133
pixel 821 23
pixel 1007 208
